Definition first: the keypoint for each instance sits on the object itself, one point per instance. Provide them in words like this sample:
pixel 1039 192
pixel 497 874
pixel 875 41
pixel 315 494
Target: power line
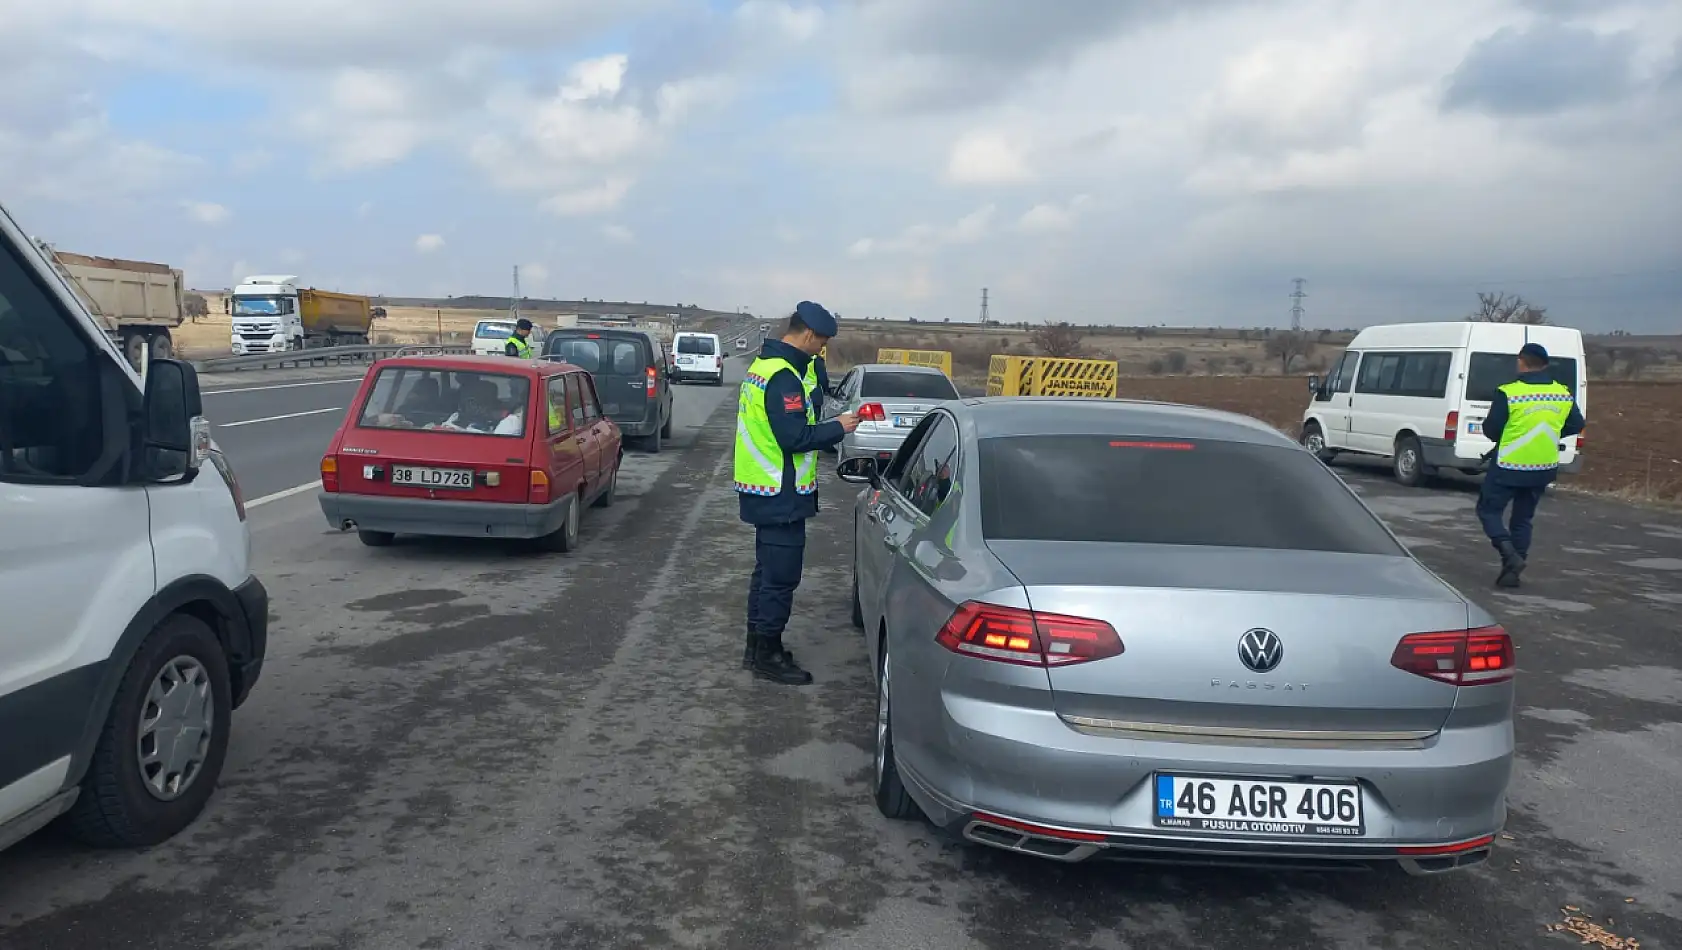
pixel 1296 308
pixel 983 306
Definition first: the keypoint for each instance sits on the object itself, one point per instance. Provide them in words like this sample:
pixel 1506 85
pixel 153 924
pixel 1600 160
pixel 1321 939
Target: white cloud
pixel 1050 217
pixel 618 234
pixel 987 158
pixel 925 238
pixel 205 212
pixel 594 199
pixel 428 243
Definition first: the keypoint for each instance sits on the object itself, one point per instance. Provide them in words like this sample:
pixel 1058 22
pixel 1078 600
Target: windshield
pixel 892 385
pixel 494 331
pixel 697 344
pixel 1124 489
pixel 258 306
pixel 1485 372
pixel 599 355
pixel 408 397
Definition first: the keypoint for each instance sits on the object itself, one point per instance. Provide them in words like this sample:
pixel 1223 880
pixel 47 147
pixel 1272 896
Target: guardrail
pixel 322 356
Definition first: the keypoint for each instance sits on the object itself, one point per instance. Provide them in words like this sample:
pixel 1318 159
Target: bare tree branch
pixel 1501 307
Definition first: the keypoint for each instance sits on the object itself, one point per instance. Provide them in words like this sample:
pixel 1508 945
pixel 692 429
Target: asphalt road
pixel 463 745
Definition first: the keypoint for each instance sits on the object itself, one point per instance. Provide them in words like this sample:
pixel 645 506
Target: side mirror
pixel 859 470
pixel 1314 384
pixel 174 438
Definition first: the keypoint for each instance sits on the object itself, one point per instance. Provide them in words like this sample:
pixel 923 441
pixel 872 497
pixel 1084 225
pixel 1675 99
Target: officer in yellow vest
pixel 1526 420
pixel 778 438
pixel 519 343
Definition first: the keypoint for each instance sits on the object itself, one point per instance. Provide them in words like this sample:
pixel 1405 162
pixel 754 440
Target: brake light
pixel 329 473
pixel 1026 637
pixel 1582 434
pixel 539 487
pixel 652 389
pixel 872 412
pixel 1461 658
pixel 1451 426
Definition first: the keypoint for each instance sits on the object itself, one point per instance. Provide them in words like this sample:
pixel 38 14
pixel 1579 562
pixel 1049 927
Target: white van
pixel 490 338
pixel 133 624
pixel 699 356
pixel 1417 394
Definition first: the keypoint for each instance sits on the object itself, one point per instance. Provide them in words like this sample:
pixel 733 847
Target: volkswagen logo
pixel 1261 650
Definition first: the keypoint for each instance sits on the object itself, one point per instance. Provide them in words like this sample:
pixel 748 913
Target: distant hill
pixel 687 312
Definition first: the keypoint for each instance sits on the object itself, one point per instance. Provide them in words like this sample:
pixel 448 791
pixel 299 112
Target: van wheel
pixel 605 499
pixel 891 798
pixel 1314 441
pixel 652 443
pixel 161 750
pixel 564 538
pixel 666 429
pixel 1409 462
pixel 375 539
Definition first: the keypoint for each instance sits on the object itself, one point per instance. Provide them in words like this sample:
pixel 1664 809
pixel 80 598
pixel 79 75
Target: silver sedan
pixel 1166 633
pixel 890 400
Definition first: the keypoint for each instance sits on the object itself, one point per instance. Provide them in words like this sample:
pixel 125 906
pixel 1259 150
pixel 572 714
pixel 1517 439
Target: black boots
pixel 772 662
pixel 747 650
pixel 1512 565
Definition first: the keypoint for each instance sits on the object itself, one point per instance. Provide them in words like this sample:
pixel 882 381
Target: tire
pixel 564 538
pixel 892 800
pixel 133 346
pixel 605 500
pixel 858 606
pixel 1314 441
pixel 375 539
pixel 1409 462
pixel 652 443
pixel 666 428
pixel 118 807
pixel 163 347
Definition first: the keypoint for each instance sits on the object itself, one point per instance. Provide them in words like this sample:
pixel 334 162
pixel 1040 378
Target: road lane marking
pixel 258 389
pixel 277 496
pixel 290 415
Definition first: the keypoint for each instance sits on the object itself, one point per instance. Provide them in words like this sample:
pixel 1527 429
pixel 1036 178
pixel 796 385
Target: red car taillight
pixel 652 390
pixel 329 473
pixel 1027 637
pixel 871 412
pixel 539 487
pixel 1451 426
pixel 1460 658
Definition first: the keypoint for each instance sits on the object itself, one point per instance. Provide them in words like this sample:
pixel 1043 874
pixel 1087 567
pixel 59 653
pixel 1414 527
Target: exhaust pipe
pixel 1041 842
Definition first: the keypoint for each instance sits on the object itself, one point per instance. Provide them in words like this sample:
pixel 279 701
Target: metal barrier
pixel 322 356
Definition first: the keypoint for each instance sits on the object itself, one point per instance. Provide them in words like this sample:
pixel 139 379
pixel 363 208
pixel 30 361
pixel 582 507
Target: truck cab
pixel 134 624
pixel 266 315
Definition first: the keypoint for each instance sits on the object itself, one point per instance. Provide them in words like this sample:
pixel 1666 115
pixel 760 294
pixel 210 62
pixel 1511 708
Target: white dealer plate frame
pixel 1256 810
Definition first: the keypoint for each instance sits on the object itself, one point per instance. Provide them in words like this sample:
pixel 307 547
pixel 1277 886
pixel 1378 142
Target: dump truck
pixel 138 302
pixel 272 314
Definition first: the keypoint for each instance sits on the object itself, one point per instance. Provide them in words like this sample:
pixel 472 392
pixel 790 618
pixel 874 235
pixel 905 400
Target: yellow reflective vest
pixel 1536 414
pixel 759 459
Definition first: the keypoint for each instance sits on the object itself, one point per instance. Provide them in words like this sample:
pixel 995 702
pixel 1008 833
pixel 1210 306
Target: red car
pixel 471 447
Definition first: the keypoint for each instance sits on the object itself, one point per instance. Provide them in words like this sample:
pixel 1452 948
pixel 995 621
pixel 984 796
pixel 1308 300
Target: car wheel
pixel 891 798
pixel 376 539
pixel 565 538
pixel 666 429
pixel 858 606
pixel 606 498
pixel 1409 462
pixel 164 741
pixel 1315 441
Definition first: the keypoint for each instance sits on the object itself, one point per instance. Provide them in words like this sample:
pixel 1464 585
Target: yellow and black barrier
pixel 939 359
pixel 1048 376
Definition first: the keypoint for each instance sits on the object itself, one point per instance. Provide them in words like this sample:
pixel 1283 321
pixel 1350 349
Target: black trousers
pixel 779 554
pixel 1493 502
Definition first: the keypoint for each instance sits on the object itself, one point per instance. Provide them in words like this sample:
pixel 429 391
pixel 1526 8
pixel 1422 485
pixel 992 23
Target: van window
pixel 413 397
pixel 1485 372
pixel 696 344
pixel 1419 375
pixel 625 358
pixel 50 422
pixel 1343 377
pixel 494 331
pixel 586 354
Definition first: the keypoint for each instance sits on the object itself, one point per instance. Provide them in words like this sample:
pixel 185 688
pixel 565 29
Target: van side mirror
pixel 861 469
pixel 174 438
pixel 1314 384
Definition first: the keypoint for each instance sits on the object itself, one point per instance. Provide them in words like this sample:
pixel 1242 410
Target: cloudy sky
pixel 1132 161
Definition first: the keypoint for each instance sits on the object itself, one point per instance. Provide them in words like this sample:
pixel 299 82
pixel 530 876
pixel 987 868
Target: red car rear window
pixel 447 400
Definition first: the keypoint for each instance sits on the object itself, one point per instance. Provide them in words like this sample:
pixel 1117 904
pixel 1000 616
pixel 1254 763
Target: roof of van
pixel 1502 337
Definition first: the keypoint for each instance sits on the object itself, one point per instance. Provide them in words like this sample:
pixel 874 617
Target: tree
pixel 1637 361
pixel 195 305
pixel 1216 364
pixel 1057 340
pixel 1175 360
pixel 1155 367
pixel 1507 308
pixel 1244 365
pixel 1600 364
pixel 1287 346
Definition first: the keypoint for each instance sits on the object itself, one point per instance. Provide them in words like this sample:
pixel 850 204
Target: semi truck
pixel 272 314
pixel 138 302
